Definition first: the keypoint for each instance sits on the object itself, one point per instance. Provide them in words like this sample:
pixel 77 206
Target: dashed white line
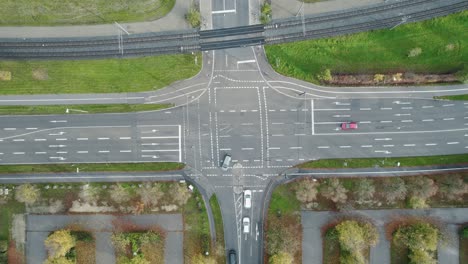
pixel 299 134
pixel 386 108
pixel 18 153
pixel 60 139
pixel 62 152
pixel 407 108
pixel 225 149
pixel 18 140
pixel 428 106
pixel 246 124
pixel 452 143
pixel 82 152
pixel 103 151
pixel 386 121
pixel 295 148
pixel 323 147
pixel 448 119
pixel 431 144
pixel 366 146
pixel 445 105
pixel 40 152
pixel 406 121
pixel 125 151
pixel 246 135
pixel 103 138
pixel 382 139
pixel 225 136
pixel 409 145
pixel 428 120
pixel 364 109
pixel 277 135
pixel 388 146
pixel 365 122
pixel 31 128
pixel 345 146
pixel 9 128
pixel 274 148
pixel 40 139
pixel 82 139
pixel 277 123
pixel 247 148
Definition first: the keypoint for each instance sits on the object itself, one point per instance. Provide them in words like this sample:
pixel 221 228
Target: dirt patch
pixel 52 207
pixel 78 207
pixel 40 74
pixel 390 79
pixel 5 76
pixel 18 230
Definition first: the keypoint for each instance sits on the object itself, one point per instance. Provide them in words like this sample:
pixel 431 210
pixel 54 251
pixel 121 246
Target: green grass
pixel 7 211
pixel 92 167
pixel 331 247
pixel 197 230
pixel 97 76
pixel 79 109
pixel 218 226
pixel 386 162
pixel 283 200
pixel 443 41
pixel 43 12
pixel 461 97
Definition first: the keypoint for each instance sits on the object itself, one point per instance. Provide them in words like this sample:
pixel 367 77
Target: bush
pixel 394 189
pixel 333 189
pixel 193 17
pixel 325 76
pixel 265 16
pixel 306 190
pixel 417 203
pixel 82 236
pixel 452 187
pixel 120 194
pixel 281 258
pixel 464 232
pixel 59 243
pixel 418 236
pixel 421 187
pixel 364 190
pixel 27 193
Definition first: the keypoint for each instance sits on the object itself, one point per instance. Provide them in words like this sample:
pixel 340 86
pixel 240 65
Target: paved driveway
pixel 39 226
pixel 447 254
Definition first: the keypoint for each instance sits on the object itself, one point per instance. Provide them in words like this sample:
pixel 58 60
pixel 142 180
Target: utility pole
pixel 120 37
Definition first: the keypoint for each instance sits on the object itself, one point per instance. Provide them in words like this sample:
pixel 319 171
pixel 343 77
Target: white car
pixel 247 199
pixel 246 225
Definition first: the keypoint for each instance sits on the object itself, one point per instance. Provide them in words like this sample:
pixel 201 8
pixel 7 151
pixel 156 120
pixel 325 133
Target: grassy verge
pixel 219 229
pixel 43 12
pixel 461 97
pixel 92 167
pixel 386 162
pixel 331 248
pixel 97 76
pixel 442 41
pixel 7 210
pixel 79 109
pixel 464 245
pixel 197 230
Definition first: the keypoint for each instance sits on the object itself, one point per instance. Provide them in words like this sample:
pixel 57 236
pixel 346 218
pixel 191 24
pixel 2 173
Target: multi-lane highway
pixel 239 106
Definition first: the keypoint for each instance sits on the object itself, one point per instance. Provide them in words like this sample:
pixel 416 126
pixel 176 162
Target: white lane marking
pixel 9 128
pixel 277 135
pixel 60 139
pixel 295 148
pixel 167 112
pixel 125 138
pixel 406 121
pixel 40 139
pixel 62 152
pixel 125 151
pixel 386 108
pixel 386 121
pixel 323 147
pixel 18 139
pixel 340 103
pixel 427 106
pixel 159 150
pixel 159 137
pixel 103 151
pixel 452 143
pixel 365 122
pixel 246 135
pixel 272 110
pixel 103 138
pixel 299 134
pixel 82 152
pixel 18 153
pixel 246 124
pixel 277 123
pixel 431 144
pixel 407 108
pixel 382 151
pixel 327 123
pixel 341 115
pixel 247 148
pixel 409 145
pixel 445 105
pixel 312 116
pixel 366 146
pixel 82 139
pixel 40 152
pixel 293 110
pixel 388 146
pixel 331 109
pixel 345 146
pixel 384 139
pixel 364 109
pixel 225 149
pixel 225 136
pixel 232 111
pixel 282 110
pixel 448 119
pixel 57 146
pixel 428 120
pixel 58 121
pixel 402 114
pixel 396 132
pixel 274 148
pixel 31 128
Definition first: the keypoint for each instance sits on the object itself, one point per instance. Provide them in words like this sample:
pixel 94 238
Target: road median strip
pixel 79 109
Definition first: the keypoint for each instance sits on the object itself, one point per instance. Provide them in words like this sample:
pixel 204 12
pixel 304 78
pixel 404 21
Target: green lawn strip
pixel 43 12
pixel 219 227
pixel 283 201
pixel 197 230
pixel 331 248
pixel 386 162
pixel 79 109
pixel 7 210
pixel 97 76
pixel 92 167
pixel 443 42
pixel 461 97
pixel 464 245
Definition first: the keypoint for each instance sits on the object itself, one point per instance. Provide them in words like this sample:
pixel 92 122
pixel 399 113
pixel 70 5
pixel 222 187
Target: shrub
pixel 27 193
pixel 150 196
pixel 355 236
pixel 421 187
pixel 265 10
pixel 180 193
pixel 452 187
pixel 379 77
pixel 282 258
pixel 417 203
pixel 333 189
pixel 59 243
pixel 414 52
pixel 364 190
pixel 464 233
pixel 395 189
pixel 418 236
pixel 325 76
pixel 306 190
pixel 119 194
pixel 193 17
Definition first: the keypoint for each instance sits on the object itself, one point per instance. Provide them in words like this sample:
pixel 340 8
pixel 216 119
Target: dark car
pixel 232 257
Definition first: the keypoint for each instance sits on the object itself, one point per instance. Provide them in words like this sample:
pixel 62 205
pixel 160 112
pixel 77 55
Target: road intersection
pixel 238 105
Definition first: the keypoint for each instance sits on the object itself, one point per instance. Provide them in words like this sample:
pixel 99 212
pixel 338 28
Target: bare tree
pixel 306 190
pixel 364 190
pixel 421 187
pixel 119 194
pixel 180 193
pixel 452 187
pixel 394 189
pixel 150 195
pixel 27 193
pixel 333 189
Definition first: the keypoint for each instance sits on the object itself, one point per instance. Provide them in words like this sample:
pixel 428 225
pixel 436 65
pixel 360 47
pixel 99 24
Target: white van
pixel 226 162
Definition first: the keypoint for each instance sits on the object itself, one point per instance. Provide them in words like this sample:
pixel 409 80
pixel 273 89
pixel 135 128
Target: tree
pixel 364 190
pixel 355 236
pixel 59 243
pixel 422 187
pixel 452 187
pixel 180 193
pixel 421 257
pixel 150 196
pixel 120 241
pixel 333 189
pixel 119 194
pixel 395 189
pixel 306 190
pixel 418 236
pixel 200 259
pixel 282 258
pixel 417 203
pixel 27 193
pixel 59 260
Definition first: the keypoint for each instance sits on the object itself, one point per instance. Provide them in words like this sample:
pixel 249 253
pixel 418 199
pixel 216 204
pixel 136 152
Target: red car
pixel 349 125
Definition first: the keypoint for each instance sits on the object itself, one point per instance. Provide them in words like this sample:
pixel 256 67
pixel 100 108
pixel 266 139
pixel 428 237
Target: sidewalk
pixel 174 20
pixel 312 223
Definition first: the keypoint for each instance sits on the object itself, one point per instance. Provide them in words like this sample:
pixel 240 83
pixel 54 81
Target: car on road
pixel 349 125
pixel 247 199
pixel 232 257
pixel 246 225
pixel 226 162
